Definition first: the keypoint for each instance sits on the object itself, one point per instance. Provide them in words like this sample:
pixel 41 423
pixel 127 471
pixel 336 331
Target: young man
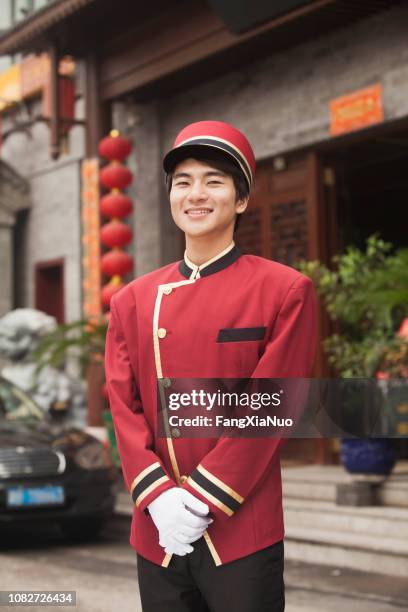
pixel 207 523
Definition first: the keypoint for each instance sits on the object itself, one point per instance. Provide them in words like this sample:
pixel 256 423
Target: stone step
pixel 372 520
pixel 313 482
pixel 319 483
pixel 394 492
pixel 375 543
pixel 347 549
pixel 323 491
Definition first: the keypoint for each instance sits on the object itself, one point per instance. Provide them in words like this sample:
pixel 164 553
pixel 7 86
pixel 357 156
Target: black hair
pixel 222 162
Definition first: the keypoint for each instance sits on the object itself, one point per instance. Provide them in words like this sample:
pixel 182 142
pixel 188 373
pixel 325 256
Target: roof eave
pixel 31 32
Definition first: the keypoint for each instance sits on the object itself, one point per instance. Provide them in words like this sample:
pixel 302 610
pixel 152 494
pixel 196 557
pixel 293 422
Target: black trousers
pixel 193 583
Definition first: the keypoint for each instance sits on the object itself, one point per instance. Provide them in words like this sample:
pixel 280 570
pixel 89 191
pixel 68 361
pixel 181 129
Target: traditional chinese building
pixel 320 87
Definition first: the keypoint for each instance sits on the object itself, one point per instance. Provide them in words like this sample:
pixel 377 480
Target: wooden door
pixel 49 288
pixel 284 220
pixel 288 220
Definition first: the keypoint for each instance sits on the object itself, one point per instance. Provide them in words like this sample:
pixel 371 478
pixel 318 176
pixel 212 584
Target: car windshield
pixel 15 404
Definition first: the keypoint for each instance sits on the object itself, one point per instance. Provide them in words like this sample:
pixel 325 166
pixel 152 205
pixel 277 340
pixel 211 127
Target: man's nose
pixel 197 192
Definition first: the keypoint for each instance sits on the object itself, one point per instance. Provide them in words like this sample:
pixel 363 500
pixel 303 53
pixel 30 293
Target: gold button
pixel 161 332
pixel 167 290
pixel 166 382
pixel 175 432
pixel 183 479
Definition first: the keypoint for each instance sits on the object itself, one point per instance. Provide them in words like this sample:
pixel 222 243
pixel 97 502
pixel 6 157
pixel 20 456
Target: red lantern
pixel 115 176
pixel 66 89
pixel 115 146
pixel 116 263
pixel 67 103
pixel 116 234
pixel 110 289
pixel 116 205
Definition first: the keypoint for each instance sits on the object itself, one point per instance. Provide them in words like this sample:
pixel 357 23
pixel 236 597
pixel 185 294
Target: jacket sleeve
pixel 229 472
pixel 143 471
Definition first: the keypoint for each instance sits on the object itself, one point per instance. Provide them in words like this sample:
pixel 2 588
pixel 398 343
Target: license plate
pixel 49 495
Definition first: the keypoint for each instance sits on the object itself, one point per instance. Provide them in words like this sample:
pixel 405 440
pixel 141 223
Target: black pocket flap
pixel 239 334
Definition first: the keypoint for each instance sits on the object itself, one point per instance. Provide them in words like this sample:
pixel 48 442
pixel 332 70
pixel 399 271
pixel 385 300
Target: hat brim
pixel 187 151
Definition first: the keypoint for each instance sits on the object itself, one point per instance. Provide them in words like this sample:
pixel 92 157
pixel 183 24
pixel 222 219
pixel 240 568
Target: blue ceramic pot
pixel 371 456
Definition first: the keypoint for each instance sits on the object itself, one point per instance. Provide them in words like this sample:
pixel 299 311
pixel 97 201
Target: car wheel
pixel 82 529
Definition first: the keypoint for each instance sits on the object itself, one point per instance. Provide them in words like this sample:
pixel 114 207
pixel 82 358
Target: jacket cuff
pixel 150 483
pixel 222 500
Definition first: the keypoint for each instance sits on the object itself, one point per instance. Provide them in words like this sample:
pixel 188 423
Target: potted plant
pixel 86 339
pixel 366 293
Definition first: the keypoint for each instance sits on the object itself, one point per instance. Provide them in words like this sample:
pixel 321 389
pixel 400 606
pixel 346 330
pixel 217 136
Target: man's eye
pixel 181 183
pixel 214 182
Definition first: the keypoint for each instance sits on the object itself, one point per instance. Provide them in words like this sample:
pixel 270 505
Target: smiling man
pixel 205 202
pixel 208 521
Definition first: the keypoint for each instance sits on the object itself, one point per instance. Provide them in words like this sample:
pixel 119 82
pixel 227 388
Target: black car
pixel 51 472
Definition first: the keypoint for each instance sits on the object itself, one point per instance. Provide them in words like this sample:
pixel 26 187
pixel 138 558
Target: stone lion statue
pixel 53 390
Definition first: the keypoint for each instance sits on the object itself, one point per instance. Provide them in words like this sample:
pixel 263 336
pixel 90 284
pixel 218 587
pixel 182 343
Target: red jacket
pixel 167 325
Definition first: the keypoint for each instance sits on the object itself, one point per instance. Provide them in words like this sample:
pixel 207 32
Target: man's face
pixel 203 200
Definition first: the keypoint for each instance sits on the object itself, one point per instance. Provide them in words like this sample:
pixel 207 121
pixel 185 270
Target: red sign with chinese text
pixel 356 110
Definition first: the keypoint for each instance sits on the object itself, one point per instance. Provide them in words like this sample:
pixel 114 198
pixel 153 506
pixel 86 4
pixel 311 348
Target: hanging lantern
pixel 116 176
pixel 115 147
pixel 67 103
pixel 116 234
pixel 66 98
pixel 116 205
pixel 110 289
pixel 116 263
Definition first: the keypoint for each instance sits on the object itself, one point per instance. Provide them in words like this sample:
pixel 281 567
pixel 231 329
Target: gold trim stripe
pixel 157 357
pixel 210 497
pixel 210 261
pixel 220 484
pixel 211 546
pixel 170 447
pixel 150 489
pixel 246 168
pixel 156 347
pixel 173 459
pixel 142 474
pixel 194 268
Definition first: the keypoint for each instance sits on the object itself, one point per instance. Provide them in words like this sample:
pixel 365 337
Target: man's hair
pixel 220 161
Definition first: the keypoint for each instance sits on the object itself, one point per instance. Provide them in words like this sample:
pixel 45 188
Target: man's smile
pixel 198 212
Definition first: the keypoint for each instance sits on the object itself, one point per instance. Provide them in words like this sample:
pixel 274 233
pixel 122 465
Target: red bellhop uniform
pixel 167 325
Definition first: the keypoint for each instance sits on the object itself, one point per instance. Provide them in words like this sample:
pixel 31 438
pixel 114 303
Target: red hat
pixel 217 135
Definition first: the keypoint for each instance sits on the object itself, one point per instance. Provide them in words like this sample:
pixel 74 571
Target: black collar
pixel 216 266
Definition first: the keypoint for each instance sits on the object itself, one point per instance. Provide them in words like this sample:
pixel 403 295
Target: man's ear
pixel 241 205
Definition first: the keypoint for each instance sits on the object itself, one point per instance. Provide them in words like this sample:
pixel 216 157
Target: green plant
pixel 367 294
pixel 85 339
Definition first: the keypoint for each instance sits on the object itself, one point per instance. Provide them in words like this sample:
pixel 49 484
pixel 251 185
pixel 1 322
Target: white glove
pixel 180 519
